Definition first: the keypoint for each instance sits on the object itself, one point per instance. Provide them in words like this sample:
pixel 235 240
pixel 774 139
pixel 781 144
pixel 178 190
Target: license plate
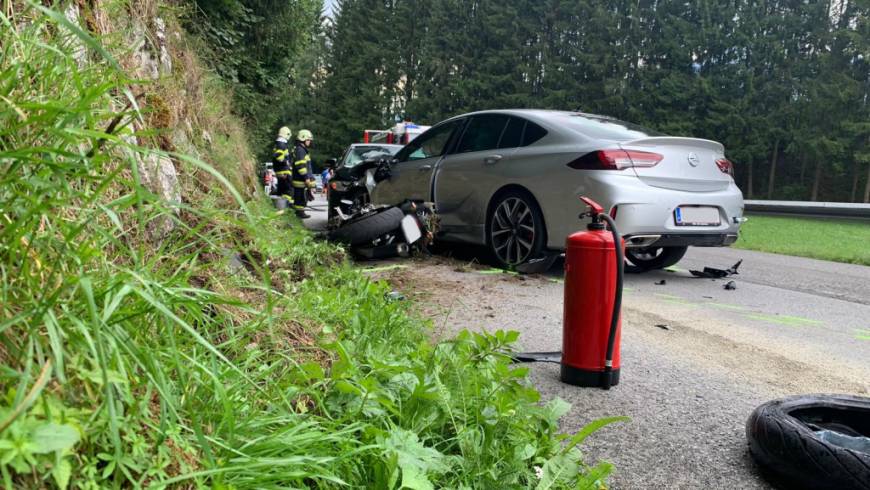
pixel 696 216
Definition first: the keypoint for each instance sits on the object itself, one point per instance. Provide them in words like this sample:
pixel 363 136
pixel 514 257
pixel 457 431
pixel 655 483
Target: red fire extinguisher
pixel 593 298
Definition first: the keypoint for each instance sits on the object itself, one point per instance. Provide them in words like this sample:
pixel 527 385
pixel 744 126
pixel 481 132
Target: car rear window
pixel 600 127
pixel 533 133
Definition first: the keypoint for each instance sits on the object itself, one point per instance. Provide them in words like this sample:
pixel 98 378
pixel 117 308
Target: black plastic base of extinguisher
pixel 581 377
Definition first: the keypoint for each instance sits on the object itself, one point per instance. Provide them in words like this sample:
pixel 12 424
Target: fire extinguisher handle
pixel 595 207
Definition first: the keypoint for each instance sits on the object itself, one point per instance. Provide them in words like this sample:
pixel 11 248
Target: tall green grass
pixel 836 239
pixel 129 359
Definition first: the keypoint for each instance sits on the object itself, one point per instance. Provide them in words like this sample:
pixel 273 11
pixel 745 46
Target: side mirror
pixel 330 162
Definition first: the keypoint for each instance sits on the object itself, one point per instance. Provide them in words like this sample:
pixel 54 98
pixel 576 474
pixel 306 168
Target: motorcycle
pixel 381 231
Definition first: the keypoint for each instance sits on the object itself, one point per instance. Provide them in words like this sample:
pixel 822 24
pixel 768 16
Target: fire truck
pixel 400 134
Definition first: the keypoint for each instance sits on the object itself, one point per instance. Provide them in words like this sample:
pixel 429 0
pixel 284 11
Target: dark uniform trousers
pixel 283 169
pixel 301 175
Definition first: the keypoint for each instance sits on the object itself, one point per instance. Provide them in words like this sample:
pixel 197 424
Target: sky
pixel 328 6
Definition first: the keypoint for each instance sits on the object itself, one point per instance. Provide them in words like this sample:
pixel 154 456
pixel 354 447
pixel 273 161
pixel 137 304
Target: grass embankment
pixel 840 240
pixel 133 355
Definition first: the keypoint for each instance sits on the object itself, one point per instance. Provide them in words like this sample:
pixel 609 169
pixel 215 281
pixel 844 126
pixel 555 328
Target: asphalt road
pixel 792 326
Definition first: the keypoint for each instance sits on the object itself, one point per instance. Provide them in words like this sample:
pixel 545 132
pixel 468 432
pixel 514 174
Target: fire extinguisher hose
pixel 607 378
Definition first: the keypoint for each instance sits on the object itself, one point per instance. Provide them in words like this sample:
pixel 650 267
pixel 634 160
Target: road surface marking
pixel 791 321
pixel 725 306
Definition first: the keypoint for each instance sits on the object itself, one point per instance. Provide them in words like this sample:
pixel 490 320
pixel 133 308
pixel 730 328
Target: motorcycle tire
pixel 364 229
pixel 784 439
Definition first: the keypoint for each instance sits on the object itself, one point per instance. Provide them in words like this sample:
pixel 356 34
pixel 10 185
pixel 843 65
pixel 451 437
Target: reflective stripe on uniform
pixel 288 198
pixel 283 172
pixel 299 184
pixel 298 208
pixel 280 155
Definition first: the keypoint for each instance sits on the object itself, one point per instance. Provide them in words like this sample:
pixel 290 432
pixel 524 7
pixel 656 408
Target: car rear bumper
pixel 681 240
pixel 645 210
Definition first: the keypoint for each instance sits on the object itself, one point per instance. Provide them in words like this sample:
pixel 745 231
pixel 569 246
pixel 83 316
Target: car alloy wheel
pixel 512 231
pixel 651 258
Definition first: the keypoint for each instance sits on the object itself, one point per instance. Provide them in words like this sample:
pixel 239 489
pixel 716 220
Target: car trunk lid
pixel 688 164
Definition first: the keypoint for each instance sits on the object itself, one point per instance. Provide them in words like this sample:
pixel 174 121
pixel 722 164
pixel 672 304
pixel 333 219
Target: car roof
pixel 375 145
pixel 534 113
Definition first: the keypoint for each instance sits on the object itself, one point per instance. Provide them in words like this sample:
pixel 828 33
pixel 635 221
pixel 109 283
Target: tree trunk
pixel 749 180
pixel 803 168
pixel 867 187
pixel 772 178
pixel 855 178
pixel 815 195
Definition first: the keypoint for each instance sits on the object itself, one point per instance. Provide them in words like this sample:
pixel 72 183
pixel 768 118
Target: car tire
pixel 515 231
pixel 366 228
pixel 651 258
pixel 784 440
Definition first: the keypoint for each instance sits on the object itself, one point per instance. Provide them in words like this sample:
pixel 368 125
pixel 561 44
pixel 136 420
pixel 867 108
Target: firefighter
pixel 281 164
pixel 303 176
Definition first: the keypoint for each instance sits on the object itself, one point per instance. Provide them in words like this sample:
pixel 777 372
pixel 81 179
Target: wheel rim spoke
pixel 513 231
pixel 524 243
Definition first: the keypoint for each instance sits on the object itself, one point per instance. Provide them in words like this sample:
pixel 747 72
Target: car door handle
pixel 492 159
pixel 425 167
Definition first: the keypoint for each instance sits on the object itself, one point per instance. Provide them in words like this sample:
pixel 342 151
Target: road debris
pixel 661 283
pixel 395 296
pixel 663 326
pixel 538 265
pixel 730 285
pixel 714 273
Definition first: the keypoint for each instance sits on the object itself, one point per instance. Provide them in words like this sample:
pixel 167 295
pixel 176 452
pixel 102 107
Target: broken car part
pixel 713 273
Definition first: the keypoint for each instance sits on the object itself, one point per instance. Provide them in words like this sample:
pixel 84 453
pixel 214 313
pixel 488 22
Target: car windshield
pixel 361 153
pixel 602 127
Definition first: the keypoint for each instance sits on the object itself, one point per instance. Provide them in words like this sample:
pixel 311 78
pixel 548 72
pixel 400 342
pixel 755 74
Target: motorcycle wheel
pixel 364 229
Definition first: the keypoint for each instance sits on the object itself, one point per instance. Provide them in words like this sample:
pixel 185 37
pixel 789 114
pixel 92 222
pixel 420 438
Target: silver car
pixel 511 180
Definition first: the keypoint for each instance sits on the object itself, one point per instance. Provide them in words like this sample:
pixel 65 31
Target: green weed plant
pixel 133 359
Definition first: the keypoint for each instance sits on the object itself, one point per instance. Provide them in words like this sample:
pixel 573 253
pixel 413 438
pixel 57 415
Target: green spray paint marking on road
pixel 674 299
pixel 725 306
pixel 386 268
pixel 498 271
pixel 675 269
pixel 791 321
pixel 557 280
pixel 862 334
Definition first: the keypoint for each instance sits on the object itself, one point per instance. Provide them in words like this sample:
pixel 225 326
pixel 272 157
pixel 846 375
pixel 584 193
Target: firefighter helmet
pixel 304 135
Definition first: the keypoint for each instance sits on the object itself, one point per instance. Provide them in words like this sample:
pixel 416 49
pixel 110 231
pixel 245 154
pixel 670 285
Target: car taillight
pixel 616 160
pixel 725 166
pixel 613 211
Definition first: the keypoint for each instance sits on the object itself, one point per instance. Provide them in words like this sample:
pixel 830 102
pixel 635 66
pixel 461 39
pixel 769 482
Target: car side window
pixel 512 136
pixel 533 133
pixel 429 144
pixel 482 133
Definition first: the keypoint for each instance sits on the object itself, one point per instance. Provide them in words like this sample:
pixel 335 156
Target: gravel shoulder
pixel 687 389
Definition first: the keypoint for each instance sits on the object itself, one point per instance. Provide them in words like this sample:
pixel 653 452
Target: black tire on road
pixel 366 228
pixel 651 258
pixel 783 440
